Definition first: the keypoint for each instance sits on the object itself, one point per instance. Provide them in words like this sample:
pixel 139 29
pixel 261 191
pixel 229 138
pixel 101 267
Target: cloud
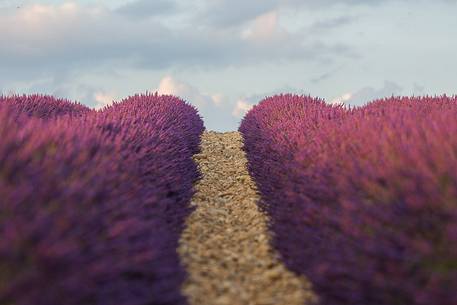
pixel 246 102
pixel 327 3
pixel 342 99
pixel 241 108
pixel 147 8
pixel 320 26
pixel 326 75
pixel 226 13
pixel 215 108
pixel 217 99
pixel 72 36
pixel 102 99
pixel 42 35
pixel 229 13
pixel 263 28
pixel 321 77
pixel 169 85
pixel 368 94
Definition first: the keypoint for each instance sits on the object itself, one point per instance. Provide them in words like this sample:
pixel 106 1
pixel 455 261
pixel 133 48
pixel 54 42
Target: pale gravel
pixel 226 245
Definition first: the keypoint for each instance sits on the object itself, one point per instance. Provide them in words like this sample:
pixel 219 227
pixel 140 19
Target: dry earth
pixel 226 246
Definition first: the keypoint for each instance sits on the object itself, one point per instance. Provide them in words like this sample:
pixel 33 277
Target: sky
pixel 224 56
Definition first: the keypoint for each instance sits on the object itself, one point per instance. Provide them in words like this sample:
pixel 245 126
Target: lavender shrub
pixel 92 206
pixel 43 106
pixel 363 201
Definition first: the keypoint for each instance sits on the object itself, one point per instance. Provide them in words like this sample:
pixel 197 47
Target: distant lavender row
pixel 43 106
pixel 363 201
pixel 91 206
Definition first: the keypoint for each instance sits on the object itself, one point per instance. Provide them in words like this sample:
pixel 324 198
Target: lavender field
pixel 309 203
pixel 92 203
pixel 363 201
pixel 228 152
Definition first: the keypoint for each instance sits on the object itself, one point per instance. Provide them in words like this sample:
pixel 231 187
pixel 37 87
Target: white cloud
pixel 218 99
pixel 341 99
pixel 48 37
pixel 237 12
pixel 368 94
pixel 102 99
pixel 172 86
pixel 241 108
pixel 264 28
pixel 37 19
pixel 147 8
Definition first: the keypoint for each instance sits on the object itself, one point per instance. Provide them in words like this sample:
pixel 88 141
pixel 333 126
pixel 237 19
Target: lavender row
pixel 92 203
pixel 363 201
pixel 43 106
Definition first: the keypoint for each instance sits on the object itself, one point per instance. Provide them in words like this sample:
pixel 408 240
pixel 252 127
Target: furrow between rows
pixel 226 245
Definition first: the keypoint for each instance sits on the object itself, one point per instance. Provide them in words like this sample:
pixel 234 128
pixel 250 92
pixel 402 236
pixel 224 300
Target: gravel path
pixel 225 247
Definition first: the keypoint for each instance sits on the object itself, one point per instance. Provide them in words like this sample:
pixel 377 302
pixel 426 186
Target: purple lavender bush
pixel 362 201
pixel 92 206
pixel 43 106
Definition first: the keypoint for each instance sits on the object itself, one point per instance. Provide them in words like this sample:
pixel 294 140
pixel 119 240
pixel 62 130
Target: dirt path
pixel 225 247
